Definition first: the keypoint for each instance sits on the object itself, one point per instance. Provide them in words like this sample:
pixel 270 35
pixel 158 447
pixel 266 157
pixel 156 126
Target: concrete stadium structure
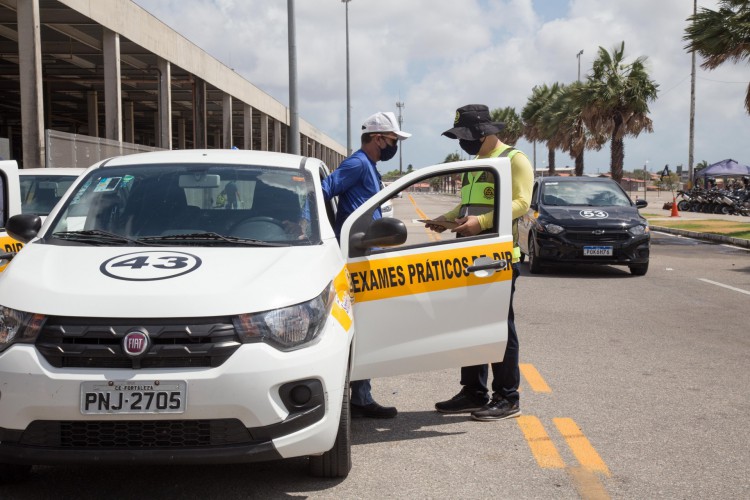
pixel 111 71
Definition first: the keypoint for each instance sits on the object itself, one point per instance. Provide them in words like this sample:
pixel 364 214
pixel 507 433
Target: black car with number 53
pixel 583 220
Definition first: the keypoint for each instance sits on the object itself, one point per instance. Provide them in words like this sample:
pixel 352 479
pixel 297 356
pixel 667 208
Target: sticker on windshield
pixel 594 214
pixel 150 265
pixel 107 184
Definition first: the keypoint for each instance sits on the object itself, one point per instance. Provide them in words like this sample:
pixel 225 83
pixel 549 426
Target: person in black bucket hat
pixel 476 133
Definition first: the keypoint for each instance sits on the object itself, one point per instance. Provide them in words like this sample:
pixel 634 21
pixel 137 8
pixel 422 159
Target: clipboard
pixel 447 224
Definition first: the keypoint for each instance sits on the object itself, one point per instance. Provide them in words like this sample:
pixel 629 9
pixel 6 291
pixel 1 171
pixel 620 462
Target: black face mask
pixel 388 151
pixel 471 147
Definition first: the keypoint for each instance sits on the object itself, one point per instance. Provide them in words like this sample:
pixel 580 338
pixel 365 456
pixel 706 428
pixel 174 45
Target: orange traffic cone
pixel 675 213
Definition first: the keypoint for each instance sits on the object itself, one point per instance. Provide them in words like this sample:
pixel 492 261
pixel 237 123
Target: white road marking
pixel 725 286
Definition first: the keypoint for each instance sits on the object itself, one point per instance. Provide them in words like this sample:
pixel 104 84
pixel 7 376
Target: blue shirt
pixel 354 182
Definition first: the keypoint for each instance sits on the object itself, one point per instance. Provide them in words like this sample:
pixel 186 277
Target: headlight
pixel 290 327
pixel 638 230
pixel 18 327
pixel 553 228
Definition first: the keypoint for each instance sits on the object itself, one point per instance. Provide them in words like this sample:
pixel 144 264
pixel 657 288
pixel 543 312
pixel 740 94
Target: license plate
pixel 597 251
pixel 122 398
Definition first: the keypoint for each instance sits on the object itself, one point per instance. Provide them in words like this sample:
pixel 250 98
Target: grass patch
pixel 724 227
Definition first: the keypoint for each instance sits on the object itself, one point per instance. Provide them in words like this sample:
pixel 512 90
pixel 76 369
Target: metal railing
pixel 82 151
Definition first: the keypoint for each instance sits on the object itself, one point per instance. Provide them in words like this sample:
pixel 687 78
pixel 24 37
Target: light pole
pixel 645 180
pixel 578 56
pixel 348 91
pixel 293 145
pixel 400 106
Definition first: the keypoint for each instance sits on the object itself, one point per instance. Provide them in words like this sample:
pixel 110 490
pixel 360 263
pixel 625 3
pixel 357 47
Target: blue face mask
pixel 388 152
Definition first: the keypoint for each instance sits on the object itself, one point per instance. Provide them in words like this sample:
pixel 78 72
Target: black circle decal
pixel 150 265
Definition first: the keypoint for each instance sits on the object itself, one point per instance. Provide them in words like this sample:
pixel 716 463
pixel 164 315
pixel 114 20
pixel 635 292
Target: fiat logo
pixel 136 343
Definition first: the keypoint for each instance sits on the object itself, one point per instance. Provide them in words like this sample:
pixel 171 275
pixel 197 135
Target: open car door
pixel 425 300
pixel 10 204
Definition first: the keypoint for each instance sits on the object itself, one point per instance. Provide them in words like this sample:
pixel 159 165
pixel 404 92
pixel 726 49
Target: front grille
pixel 588 236
pixel 93 343
pixel 135 434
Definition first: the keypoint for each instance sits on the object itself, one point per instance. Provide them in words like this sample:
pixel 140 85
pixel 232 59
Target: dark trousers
pixel 506 375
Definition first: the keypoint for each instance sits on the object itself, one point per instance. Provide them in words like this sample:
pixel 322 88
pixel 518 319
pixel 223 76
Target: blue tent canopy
pixel 724 168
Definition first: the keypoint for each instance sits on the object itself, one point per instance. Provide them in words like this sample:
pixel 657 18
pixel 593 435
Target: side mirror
pixel 534 206
pixel 386 232
pixel 639 203
pixel 24 227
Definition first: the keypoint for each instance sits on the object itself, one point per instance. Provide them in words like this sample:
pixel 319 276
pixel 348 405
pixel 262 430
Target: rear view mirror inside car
pixel 199 181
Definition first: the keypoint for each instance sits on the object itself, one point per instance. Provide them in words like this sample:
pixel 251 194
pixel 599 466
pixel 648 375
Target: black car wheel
pixel 337 462
pixel 638 269
pixel 534 265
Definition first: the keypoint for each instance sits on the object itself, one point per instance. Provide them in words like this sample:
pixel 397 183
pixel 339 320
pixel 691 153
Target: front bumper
pixel 236 412
pixel 568 248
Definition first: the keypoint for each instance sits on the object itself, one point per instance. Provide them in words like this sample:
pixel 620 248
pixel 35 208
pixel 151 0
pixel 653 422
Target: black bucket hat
pixel 473 122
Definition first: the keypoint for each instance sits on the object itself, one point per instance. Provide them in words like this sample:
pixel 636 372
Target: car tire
pixel 337 462
pixel 534 266
pixel 13 473
pixel 638 269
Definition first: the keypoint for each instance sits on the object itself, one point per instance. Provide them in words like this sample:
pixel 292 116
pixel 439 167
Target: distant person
pixel 232 195
pixel 355 181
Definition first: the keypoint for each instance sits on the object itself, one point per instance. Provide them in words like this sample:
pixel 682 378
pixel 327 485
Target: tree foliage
pixel 513 129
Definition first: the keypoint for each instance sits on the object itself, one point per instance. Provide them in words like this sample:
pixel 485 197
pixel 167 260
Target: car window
pixel 590 194
pixel 40 193
pixel 147 201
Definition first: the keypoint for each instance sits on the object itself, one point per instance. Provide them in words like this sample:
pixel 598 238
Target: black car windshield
pixel 589 194
pixel 191 204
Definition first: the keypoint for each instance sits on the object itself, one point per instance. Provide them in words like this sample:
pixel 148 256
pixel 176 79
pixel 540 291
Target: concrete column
pixel 128 122
pixel 112 85
pixel 226 112
pixel 200 133
pixel 164 134
pixel 30 72
pixel 277 135
pixel 247 116
pixel 92 99
pixel 181 141
pixel 263 132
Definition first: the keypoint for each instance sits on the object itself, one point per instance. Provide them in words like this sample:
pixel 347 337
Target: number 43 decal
pixel 150 265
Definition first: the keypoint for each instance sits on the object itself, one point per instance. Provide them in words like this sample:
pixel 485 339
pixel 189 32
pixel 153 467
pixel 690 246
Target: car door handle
pixel 483 265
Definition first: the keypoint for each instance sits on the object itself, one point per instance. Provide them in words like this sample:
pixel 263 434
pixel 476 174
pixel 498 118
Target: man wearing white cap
pixel 355 181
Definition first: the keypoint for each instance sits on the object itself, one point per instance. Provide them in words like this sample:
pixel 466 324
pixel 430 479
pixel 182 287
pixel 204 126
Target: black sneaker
pixel 464 401
pixel 373 410
pixel 497 409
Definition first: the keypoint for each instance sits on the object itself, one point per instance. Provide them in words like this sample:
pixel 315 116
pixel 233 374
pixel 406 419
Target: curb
pixel 717 238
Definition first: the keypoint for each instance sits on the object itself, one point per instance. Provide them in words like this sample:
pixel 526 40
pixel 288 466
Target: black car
pixel 584 220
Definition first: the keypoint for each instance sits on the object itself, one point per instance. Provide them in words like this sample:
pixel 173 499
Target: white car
pixel 40 190
pixel 167 329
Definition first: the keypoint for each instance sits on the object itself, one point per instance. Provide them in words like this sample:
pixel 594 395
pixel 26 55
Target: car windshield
pixel 41 192
pixel 189 204
pixel 590 194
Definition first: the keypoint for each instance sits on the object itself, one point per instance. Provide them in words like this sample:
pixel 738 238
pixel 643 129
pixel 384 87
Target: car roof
pixel 575 179
pixel 214 156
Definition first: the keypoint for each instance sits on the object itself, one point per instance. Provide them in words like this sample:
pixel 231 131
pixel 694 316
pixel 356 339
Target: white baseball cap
pixel 384 122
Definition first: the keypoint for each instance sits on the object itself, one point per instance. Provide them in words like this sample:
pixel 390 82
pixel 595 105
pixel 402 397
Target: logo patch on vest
pixel 489 193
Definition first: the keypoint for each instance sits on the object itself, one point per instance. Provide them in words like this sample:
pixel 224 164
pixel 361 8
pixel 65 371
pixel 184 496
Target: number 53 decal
pixel 594 214
pixel 149 266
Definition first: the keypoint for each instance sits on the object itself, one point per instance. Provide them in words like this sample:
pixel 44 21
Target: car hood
pixel 165 282
pixel 581 216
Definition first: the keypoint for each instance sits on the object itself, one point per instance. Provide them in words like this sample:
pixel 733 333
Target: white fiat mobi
pixel 196 307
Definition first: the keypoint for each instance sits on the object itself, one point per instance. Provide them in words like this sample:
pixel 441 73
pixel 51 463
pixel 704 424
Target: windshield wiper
pixel 96 237
pixel 214 237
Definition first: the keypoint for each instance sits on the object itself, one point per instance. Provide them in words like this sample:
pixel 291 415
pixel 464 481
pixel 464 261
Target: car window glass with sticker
pixel 260 203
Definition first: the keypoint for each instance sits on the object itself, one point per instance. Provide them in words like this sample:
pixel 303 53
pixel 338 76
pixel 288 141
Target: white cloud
pixel 436 55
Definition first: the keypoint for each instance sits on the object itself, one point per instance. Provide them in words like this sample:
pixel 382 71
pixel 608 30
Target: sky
pixel 437 55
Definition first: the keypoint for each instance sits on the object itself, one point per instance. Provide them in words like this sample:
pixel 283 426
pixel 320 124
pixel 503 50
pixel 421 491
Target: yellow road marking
pixel 432 234
pixel 581 447
pixel 541 445
pixel 587 484
pixel 534 378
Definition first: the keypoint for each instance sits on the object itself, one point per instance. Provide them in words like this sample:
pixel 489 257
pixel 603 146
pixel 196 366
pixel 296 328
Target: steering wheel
pixel 259 228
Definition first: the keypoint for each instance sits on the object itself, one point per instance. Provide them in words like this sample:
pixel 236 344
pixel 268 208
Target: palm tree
pixel 513 125
pixel 534 119
pixel 720 36
pixel 615 100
